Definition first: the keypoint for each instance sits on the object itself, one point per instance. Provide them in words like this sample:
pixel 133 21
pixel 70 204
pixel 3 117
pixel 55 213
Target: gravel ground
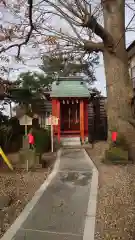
pixel 116 199
pixel 21 186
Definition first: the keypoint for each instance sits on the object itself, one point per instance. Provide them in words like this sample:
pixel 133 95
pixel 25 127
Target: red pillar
pixel 86 118
pixel 82 120
pixel 58 115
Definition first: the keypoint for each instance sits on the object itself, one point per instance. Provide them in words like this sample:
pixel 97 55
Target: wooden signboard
pixel 25 120
pixel 52 120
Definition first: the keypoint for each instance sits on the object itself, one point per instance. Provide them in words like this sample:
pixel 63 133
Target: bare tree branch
pixel 70 8
pixel 76 13
pixel 131 8
pixel 91 22
pixel 65 15
pixel 30 6
pixel 80 9
pixel 90 46
pixel 72 24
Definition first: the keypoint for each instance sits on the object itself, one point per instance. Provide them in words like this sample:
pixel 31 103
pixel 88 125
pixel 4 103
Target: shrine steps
pixel 70 141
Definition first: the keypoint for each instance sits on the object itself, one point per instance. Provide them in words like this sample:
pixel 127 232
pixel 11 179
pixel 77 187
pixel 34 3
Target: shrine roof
pixel 70 87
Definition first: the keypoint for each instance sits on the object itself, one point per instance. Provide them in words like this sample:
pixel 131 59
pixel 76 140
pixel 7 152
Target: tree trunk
pixel 119 86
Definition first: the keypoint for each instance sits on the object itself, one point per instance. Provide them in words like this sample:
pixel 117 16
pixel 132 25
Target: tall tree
pixel 61 66
pixel 64 65
pixel 33 81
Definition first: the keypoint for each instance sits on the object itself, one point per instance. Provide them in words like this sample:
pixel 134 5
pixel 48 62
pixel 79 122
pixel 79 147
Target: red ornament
pixel 114 136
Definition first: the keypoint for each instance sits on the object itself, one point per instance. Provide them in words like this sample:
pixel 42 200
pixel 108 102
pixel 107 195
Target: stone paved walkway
pixel 61 211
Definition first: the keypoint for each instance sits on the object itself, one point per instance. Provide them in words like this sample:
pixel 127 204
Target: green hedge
pixel 42 140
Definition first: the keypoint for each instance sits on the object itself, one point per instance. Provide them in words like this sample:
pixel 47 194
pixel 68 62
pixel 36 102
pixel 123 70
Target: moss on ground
pixel 116 155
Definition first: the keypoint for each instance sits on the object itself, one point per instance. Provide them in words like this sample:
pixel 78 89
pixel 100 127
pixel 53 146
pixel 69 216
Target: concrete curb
pixel 89 229
pixel 10 233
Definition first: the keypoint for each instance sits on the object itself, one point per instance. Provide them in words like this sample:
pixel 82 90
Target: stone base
pixel 24 156
pixel 48 158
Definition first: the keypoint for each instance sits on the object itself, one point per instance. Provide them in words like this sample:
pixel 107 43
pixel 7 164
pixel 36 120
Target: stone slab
pixel 34 235
pixel 74 160
pixel 63 207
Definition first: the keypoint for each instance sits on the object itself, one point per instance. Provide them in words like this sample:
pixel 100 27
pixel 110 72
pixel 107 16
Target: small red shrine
pixel 70 105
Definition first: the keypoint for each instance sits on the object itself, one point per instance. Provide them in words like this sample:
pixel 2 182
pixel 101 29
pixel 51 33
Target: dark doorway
pixel 70 117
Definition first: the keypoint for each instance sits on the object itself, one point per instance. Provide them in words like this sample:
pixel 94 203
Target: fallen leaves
pixel 20 186
pixel 115 217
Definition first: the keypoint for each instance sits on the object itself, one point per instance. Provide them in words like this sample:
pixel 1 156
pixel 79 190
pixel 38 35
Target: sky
pixel 33 64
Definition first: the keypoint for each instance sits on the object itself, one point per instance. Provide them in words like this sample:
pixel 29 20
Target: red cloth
pixel 114 136
pixel 31 138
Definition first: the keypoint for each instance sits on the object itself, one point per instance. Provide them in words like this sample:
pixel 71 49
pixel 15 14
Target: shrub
pixel 116 155
pixel 42 140
pixel 10 137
